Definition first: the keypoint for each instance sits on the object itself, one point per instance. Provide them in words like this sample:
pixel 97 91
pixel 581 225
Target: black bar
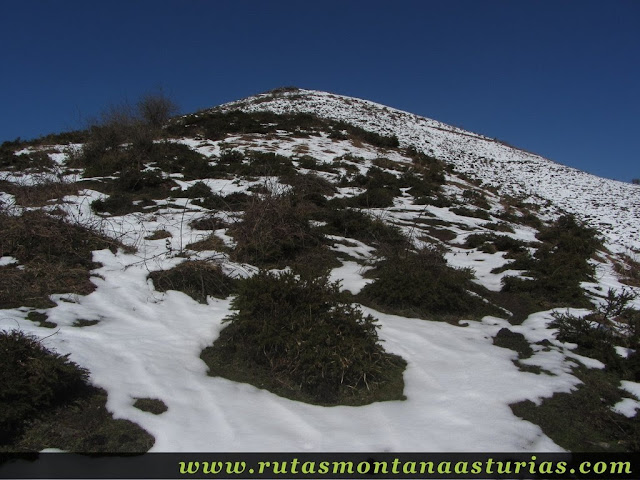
pixel 561 466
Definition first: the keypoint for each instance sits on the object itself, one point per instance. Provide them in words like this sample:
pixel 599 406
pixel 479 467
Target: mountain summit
pixel 609 205
pixel 311 272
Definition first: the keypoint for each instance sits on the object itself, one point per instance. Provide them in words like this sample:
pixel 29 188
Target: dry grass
pixel 53 257
pixel 159 235
pixel 198 279
pixel 274 228
pixel 628 269
pixel 212 242
pixel 39 194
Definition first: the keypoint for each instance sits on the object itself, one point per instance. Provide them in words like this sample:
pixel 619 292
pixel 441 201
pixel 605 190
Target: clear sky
pixel 559 78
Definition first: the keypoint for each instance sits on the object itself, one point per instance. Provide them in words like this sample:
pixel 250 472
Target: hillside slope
pixel 189 269
pixel 611 206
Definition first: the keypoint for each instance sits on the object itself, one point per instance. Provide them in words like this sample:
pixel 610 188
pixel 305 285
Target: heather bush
pixel 559 265
pixel 274 229
pixel 34 380
pixel 490 243
pixel 420 283
pixel 351 223
pixel 302 338
pixel 469 212
pixel 197 278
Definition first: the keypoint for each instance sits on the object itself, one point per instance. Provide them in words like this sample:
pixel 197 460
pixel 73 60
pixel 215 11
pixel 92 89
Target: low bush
pixel 216 125
pixel 468 212
pixel 307 184
pixel 54 257
pixel 420 283
pixel 373 198
pixel 197 190
pixel 197 278
pixel 612 323
pixel 438 200
pixel 559 265
pixel 33 380
pixel 499 227
pixel 584 420
pixel 562 416
pixel 431 170
pixel 35 160
pixel 474 197
pixel 151 405
pixel 211 242
pixel 376 178
pixel 274 229
pixel 515 341
pixel 39 194
pixel 302 338
pixel 628 269
pixel 360 134
pixel 116 204
pixel 386 163
pixel 594 339
pixel 351 223
pixel 233 202
pixel 267 164
pixel 208 222
pixel 491 243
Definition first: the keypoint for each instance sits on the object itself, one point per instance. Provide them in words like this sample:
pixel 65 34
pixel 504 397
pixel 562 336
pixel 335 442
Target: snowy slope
pixel 459 385
pixel 609 205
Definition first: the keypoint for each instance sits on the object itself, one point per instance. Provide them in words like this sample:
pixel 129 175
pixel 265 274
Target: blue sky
pixel 559 78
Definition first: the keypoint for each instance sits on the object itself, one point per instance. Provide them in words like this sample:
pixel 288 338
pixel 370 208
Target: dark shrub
pixel 468 212
pixel 517 342
pixel 116 204
pixel 274 229
pixel 421 284
pixel 156 109
pixel 374 198
pixel 560 264
pixel 133 181
pixel 151 405
pixel 41 193
pixel 352 223
pixel 208 222
pixel 476 198
pixel 198 279
pixel 198 190
pixel 34 380
pixel 490 243
pixel 309 341
pixel 268 164
pixel 310 188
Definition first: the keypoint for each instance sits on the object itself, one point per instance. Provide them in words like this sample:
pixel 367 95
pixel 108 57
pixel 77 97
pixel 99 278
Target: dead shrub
pixel 274 228
pixel 40 193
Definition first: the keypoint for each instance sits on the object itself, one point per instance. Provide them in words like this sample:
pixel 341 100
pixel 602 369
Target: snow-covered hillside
pixel 611 206
pixel 190 194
